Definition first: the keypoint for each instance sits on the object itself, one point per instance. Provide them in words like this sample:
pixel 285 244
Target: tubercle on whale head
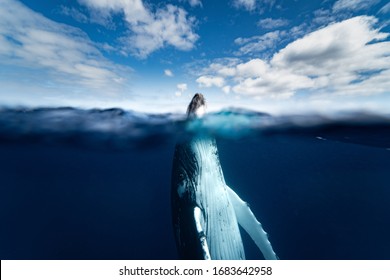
pixel 197 106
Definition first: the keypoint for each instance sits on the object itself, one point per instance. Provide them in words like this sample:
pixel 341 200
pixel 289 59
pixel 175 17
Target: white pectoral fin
pixel 251 225
pixel 202 238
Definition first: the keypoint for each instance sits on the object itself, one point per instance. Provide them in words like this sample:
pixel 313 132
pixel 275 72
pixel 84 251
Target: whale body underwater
pixel 205 211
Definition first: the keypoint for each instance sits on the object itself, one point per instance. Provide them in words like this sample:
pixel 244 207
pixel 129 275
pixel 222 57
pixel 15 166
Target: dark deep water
pixel 90 184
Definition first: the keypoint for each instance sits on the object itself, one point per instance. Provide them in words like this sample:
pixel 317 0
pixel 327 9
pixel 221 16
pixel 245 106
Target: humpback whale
pixel 206 213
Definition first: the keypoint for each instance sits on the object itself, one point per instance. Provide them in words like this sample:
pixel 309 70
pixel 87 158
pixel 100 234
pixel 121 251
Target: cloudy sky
pixel 267 55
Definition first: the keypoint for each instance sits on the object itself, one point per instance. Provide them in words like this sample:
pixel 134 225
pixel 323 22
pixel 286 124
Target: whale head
pixel 197 106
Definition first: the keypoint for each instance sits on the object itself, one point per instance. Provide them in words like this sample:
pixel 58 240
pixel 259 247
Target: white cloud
pixel 385 9
pixel 347 46
pixel 353 5
pixel 226 89
pixel 226 71
pixel 252 68
pixel 150 31
pixel 134 10
pixel 210 81
pixel 168 73
pixel 323 17
pixel 270 23
pixel 65 54
pixel 257 44
pixel 223 67
pixel 95 16
pixel 181 89
pixel 350 57
pixel 258 78
pixel 195 3
pixel 246 4
pixel 74 13
pixel 251 5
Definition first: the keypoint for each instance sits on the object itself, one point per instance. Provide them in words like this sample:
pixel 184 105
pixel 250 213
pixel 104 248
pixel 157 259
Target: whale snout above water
pixel 197 106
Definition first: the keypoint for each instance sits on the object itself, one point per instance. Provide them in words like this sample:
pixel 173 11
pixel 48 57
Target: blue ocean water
pixel 95 184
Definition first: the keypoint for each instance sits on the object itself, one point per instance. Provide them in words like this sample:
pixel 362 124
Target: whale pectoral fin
pixel 251 225
pixel 202 237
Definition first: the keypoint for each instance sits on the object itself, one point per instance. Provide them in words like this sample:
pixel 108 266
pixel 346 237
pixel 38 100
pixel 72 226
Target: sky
pixel 278 56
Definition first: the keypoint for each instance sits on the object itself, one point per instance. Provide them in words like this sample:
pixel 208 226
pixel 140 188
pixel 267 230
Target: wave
pixel 118 128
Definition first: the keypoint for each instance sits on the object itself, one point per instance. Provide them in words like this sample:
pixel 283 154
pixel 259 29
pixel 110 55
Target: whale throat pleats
pixel 221 226
pixel 198 181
